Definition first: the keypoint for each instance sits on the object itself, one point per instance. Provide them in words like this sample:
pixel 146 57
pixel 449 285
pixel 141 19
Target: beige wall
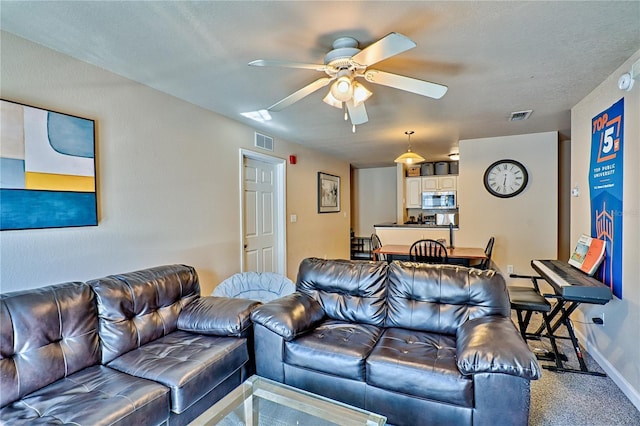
pixel 526 226
pixel 322 235
pixel 616 344
pixel 374 198
pixel 168 181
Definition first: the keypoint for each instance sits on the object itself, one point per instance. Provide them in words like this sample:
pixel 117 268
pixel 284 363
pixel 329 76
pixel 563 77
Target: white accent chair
pixel 261 286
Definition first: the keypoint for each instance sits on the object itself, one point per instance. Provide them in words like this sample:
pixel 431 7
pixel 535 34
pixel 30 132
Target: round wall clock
pixel 506 178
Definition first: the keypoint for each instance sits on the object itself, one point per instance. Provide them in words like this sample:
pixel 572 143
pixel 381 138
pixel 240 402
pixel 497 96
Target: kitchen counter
pixel 412 225
pixel 394 233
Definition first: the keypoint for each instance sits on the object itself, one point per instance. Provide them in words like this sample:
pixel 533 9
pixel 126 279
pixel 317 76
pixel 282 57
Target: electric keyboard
pixel 572 284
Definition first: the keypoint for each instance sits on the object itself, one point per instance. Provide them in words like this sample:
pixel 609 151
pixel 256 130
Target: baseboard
pixel 618 379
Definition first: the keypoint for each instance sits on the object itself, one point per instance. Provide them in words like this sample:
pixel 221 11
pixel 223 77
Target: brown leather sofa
pixel 140 348
pixel 418 343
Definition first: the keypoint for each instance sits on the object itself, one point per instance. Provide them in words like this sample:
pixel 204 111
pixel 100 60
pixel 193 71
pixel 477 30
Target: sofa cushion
pixel 46 334
pixel 420 364
pixel 347 290
pixel 94 396
pixel 139 307
pixel 188 364
pixel 440 298
pixel 334 347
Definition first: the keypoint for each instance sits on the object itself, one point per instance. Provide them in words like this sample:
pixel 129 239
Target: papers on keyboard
pixel 588 254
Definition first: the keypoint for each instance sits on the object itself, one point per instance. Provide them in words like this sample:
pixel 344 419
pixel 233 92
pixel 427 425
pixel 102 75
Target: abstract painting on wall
pixel 47 169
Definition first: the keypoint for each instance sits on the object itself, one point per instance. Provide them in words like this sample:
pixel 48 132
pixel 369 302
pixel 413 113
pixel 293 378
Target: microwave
pixel 439 200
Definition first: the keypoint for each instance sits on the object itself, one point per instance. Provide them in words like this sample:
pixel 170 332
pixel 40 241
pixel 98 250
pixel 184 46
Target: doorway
pixel 263 224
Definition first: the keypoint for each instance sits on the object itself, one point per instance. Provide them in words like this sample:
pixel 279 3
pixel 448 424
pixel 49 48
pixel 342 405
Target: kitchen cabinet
pixel 413 193
pixel 415 186
pixel 439 183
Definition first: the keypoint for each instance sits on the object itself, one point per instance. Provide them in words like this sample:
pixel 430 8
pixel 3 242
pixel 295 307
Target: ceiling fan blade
pixel 419 87
pixel 388 46
pixel 295 97
pixel 358 114
pixel 286 64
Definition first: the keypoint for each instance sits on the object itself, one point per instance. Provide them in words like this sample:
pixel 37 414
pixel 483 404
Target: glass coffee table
pixel 261 402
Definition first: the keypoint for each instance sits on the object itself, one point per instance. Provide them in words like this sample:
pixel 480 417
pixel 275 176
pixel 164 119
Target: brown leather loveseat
pixel 417 343
pixel 140 348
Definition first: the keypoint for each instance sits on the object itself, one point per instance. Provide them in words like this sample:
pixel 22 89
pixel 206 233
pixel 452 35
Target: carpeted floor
pixel 576 399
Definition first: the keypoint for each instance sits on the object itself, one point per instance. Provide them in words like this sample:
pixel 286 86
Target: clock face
pixel 506 178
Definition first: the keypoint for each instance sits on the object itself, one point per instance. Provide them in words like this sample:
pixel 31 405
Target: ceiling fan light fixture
pixel 409 157
pixel 342 88
pixel 331 100
pixel 360 93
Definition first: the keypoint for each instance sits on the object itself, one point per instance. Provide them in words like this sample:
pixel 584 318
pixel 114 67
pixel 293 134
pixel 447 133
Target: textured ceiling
pixel 495 57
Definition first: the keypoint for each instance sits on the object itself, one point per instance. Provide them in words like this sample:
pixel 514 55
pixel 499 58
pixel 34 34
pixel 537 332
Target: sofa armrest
pixel 493 345
pixel 289 316
pixel 217 316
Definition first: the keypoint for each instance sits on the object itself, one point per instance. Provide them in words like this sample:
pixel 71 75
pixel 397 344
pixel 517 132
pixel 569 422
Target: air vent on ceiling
pixel 264 141
pixel 520 115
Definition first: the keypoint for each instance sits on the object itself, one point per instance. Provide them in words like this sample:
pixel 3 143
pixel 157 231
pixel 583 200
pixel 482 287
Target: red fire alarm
pixel 292 159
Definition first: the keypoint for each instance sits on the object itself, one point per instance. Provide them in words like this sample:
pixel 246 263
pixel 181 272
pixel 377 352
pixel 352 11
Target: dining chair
pixel 375 244
pixel 486 263
pixel 428 251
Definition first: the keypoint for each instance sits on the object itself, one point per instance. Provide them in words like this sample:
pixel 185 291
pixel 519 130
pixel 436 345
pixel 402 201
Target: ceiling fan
pixel 344 64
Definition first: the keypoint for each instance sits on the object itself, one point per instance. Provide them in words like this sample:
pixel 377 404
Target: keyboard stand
pixel 564 319
pixel 564 308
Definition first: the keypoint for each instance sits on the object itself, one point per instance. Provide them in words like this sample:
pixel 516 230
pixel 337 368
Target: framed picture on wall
pixel 47 169
pixel 328 193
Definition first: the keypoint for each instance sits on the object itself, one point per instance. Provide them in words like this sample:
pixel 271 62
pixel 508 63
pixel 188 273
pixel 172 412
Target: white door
pixel 261 226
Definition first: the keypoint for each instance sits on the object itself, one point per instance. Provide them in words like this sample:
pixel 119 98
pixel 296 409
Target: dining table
pixel 456 255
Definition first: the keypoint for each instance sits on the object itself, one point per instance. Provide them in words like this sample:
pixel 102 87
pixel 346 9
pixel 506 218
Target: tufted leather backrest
pixel 138 307
pixel 440 298
pixel 46 334
pixel 347 290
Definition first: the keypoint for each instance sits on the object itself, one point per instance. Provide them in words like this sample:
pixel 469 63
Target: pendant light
pixel 409 157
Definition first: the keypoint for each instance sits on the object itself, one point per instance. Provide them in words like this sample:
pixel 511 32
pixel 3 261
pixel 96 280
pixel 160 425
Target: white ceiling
pixel 496 57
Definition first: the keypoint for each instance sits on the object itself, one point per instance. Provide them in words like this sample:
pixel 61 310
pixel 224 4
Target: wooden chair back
pixel 375 244
pixel 428 251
